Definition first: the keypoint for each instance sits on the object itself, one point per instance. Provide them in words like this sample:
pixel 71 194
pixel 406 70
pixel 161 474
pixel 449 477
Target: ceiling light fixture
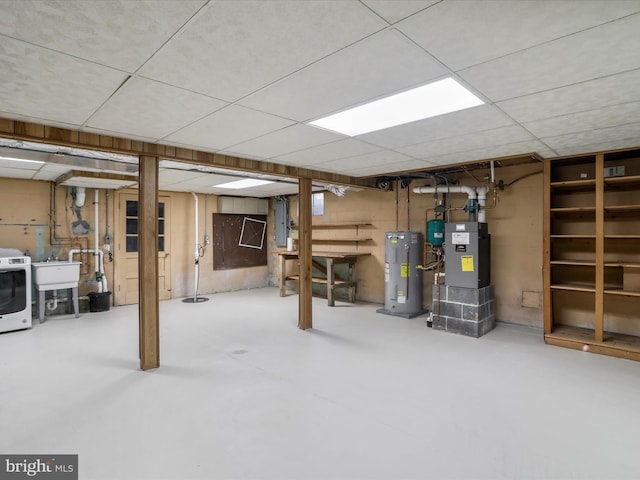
pixel 437 98
pixel 246 183
pixel 13 159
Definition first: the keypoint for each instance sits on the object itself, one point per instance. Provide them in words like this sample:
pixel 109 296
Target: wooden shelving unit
pixel 341 233
pixel 592 253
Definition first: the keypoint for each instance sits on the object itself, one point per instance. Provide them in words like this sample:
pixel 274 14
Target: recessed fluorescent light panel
pixel 12 159
pixel 437 98
pixel 246 183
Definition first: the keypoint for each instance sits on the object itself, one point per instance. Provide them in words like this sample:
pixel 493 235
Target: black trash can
pixel 99 301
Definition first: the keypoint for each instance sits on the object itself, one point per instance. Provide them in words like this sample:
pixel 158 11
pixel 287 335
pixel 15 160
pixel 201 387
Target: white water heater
pixel 402 280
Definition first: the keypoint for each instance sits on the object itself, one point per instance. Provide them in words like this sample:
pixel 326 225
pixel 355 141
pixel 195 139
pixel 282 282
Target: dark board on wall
pixel 239 241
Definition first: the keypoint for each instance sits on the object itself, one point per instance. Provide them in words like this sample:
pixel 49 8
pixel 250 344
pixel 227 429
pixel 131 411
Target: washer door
pixel 13 291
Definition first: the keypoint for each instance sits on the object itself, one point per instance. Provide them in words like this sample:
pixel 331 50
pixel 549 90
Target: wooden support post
pixel 304 256
pixel 599 299
pixel 148 307
pixel 331 282
pixel 283 275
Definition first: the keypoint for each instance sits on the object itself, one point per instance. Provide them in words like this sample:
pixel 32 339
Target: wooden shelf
pixel 339 225
pixel 605 267
pixel 573 210
pixel 621 208
pixel 574 287
pixel 627 180
pixel 622 293
pixel 578 263
pixel 573 184
pixel 614 344
pixel 341 239
pixel 337 282
pixel 570 237
pixel 622 264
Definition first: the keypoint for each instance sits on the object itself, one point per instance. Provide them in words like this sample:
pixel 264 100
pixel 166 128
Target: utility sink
pixel 55 275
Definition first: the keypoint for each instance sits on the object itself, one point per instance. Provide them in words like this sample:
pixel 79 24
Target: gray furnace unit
pixel 402 281
pixel 468 254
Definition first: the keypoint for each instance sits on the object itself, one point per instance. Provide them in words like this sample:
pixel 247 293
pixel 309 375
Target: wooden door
pixel 126 288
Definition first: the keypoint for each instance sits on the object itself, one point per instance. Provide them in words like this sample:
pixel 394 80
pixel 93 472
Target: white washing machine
pixel 15 290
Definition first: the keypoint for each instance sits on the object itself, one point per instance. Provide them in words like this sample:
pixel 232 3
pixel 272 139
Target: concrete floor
pixel 243 394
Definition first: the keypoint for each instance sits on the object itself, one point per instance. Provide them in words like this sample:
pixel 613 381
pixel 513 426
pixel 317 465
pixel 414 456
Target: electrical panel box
pixel 467 254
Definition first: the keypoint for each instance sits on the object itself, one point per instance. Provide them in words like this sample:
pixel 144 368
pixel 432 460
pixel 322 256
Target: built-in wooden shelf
pixel 574 287
pixel 573 184
pixel 614 344
pixel 623 293
pixel 603 267
pixel 570 237
pixel 573 210
pixel 626 180
pixel 578 263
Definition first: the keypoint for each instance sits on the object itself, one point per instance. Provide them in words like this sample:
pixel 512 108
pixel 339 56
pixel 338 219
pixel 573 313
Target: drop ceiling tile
pixel 383 158
pixel 396 168
pixel 583 121
pixel 474 119
pixel 594 94
pixel 112 133
pixel 120 34
pixel 287 140
pixel 577 58
pixel 228 126
pixel 380 65
pixel 168 177
pixel 512 149
pixel 477 140
pixel 151 109
pixel 6 172
pixel 590 137
pixel 599 147
pixel 51 86
pixel 239 47
pixel 328 151
pixel 462 34
pixel 395 10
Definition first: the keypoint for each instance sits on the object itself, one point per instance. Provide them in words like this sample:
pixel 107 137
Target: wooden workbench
pixel 333 258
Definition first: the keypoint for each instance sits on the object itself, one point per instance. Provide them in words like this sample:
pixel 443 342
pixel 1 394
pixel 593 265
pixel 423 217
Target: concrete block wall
pixel 467 311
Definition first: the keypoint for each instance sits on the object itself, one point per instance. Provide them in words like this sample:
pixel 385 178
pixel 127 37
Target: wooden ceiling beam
pixel 33 132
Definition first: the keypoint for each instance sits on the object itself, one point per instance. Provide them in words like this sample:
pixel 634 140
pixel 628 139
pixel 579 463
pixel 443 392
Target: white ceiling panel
pixel 512 149
pixel 474 119
pixel 135 109
pixel 388 169
pixel 227 127
pixel 383 157
pixel 395 10
pixel 585 121
pixel 598 147
pixel 16 172
pixel 380 65
pixel 462 34
pixel 168 177
pixel 601 135
pixel 577 58
pixel 611 90
pixel 328 151
pixel 241 78
pixel 239 47
pixel 118 33
pixel 51 86
pixel 284 141
pixel 472 141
